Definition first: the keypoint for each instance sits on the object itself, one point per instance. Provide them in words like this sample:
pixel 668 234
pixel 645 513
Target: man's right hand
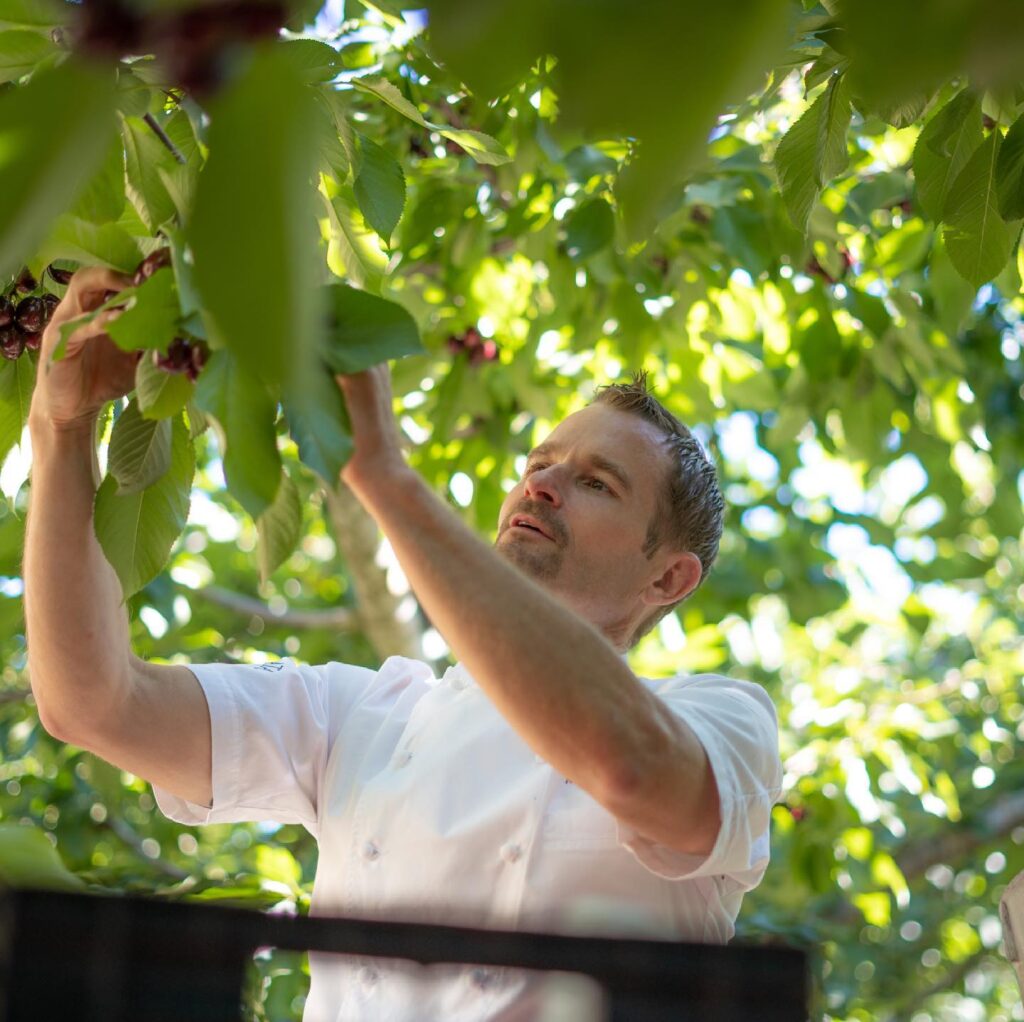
pixel 70 393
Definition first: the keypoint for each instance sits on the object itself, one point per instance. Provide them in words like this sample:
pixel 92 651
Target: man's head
pixel 618 513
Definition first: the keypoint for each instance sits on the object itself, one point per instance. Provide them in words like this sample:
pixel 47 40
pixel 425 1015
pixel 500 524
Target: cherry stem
pixel 162 135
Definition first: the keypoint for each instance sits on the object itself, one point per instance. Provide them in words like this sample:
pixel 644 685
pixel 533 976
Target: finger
pixel 85 333
pixel 89 286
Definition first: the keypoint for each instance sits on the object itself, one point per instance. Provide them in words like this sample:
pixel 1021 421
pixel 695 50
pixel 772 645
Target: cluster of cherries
pixel 23 319
pixel 183 355
pixel 476 348
pixel 24 315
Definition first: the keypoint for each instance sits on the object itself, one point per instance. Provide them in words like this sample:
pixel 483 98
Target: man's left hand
pixel 378 443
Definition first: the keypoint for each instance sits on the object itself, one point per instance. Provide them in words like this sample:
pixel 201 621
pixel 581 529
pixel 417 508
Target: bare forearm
pixel 552 675
pixel 79 653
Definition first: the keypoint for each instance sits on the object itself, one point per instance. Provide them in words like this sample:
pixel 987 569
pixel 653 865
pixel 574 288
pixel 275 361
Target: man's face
pixel 577 520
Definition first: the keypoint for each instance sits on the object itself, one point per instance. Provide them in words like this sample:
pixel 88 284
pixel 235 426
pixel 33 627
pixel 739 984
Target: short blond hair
pixel 690 512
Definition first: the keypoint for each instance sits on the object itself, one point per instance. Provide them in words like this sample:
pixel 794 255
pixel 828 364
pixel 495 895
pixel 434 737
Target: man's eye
pixel 594 483
pixel 536 466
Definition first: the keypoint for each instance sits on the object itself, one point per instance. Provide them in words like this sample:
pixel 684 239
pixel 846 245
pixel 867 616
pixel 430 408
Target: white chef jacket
pixel 427 806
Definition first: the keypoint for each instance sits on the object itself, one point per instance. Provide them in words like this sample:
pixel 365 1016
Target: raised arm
pixel 557 680
pixel 91 690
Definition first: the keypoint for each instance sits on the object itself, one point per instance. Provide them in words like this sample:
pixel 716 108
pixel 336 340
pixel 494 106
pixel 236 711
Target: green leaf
pixel 133 94
pixel 151 319
pixel 952 295
pixel 312 60
pixel 353 250
pixel 85 242
pixel 333 154
pixel 943 148
pixel 145 157
pixel 279 527
pixel 20 51
pixel 42 171
pixel 244 413
pixel 481 147
pixel 383 89
pixel 198 423
pixel 27 859
pixel 813 151
pixel 102 199
pixel 140 450
pixel 379 187
pixel 84 319
pixel 1010 172
pixel 17 381
pixel 37 14
pixel 279 865
pixel 160 394
pixel 589 228
pixel 366 330
pixel 181 261
pixel 317 422
pixel 253 231
pixel 137 530
pixel 977 238
pixel 901 113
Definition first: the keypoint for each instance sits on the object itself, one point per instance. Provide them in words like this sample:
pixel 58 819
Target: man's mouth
pixel 529 524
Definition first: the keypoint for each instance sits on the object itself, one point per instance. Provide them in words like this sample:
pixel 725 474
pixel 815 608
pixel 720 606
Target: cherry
pixel 154 261
pixel 6 312
pixel 199 354
pixel 12 342
pixel 476 348
pixel 34 341
pixel 30 315
pixel 59 275
pixel 26 282
pixel 177 359
pixel 50 303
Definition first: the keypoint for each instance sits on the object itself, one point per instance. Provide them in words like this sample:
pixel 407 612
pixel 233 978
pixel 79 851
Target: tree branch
pixel 909 1007
pixel 339 619
pixel 358 539
pixel 997 820
pixel 14 695
pixel 164 137
pixel 127 834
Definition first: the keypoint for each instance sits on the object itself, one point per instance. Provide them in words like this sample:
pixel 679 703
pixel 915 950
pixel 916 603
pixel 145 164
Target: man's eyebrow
pixel 613 469
pixel 599 462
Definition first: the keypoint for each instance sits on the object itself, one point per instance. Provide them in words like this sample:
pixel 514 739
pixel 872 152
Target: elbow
pixel 54 724
pixel 668 795
pixel 70 724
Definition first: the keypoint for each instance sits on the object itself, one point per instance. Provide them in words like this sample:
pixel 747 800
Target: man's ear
pixel 679 578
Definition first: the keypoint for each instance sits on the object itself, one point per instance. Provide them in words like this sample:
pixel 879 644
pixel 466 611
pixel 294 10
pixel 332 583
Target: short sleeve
pixel 736 723
pixel 272 727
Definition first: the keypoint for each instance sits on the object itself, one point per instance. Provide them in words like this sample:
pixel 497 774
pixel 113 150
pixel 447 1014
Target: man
pixel 537 783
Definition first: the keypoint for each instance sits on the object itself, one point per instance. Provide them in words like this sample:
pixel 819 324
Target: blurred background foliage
pixel 806 231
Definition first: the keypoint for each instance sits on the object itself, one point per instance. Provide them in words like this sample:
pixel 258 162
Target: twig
pixel 128 835
pixel 910 1006
pixel 340 619
pixel 164 137
pixel 14 695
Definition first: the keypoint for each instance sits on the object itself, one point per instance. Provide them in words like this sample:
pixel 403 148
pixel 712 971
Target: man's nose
pixel 544 485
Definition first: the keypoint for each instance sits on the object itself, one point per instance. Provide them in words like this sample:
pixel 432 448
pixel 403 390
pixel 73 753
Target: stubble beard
pixel 541 563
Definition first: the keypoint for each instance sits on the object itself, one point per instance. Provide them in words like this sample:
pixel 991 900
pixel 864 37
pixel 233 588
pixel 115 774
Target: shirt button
pixel 511 852
pixel 482 978
pixel 370 851
pixel 367 976
pixel 402 759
